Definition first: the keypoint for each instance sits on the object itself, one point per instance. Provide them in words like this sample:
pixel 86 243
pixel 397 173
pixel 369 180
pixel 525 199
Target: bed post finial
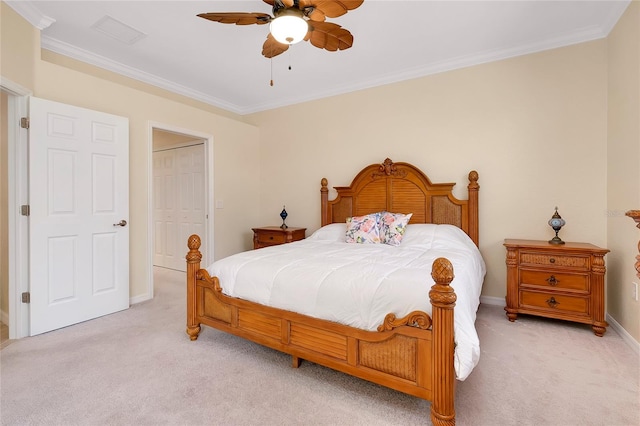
pixel 474 225
pixel 443 299
pixel 324 202
pixel 193 265
pixel 194 244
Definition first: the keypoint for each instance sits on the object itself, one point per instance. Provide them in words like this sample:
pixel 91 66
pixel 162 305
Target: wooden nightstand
pixel 556 281
pixel 274 235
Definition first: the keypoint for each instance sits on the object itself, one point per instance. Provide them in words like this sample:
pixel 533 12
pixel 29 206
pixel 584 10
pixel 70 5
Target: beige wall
pixel 623 172
pixel 534 127
pixel 236 153
pixel 4 220
pixel 19 47
pixel 163 139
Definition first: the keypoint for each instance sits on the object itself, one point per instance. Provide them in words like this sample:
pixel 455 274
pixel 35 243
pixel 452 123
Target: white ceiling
pixel 394 40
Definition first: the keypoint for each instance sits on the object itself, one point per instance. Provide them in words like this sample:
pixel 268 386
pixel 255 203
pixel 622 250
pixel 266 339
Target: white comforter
pixel 358 284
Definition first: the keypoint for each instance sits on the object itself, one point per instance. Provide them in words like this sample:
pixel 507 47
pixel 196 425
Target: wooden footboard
pixel 413 354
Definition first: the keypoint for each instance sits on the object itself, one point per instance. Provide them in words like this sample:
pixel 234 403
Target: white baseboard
pixel 615 325
pixel 139 299
pixel 489 300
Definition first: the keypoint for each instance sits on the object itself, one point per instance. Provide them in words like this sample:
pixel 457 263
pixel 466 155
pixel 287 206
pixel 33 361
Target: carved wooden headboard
pixel 402 188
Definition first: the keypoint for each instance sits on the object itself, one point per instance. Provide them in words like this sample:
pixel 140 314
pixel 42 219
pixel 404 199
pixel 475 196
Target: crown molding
pixel 584 35
pixel 74 52
pixel 31 14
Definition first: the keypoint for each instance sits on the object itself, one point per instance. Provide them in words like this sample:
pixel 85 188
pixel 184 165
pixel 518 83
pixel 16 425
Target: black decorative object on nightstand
pixel 283 215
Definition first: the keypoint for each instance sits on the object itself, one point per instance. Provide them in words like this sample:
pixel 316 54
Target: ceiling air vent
pixel 118 30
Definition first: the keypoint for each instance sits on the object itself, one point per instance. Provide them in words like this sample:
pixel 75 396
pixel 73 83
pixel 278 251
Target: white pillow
pixel 419 233
pixel 331 232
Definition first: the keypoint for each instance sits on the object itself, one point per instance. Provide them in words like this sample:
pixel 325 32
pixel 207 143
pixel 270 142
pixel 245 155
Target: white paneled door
pixel 79 213
pixel 179 203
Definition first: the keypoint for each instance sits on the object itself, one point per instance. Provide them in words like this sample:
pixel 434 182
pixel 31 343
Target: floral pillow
pixel 392 227
pixel 363 229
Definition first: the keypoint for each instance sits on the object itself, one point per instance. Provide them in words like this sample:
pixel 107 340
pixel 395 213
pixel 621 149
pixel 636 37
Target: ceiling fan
pixel 294 21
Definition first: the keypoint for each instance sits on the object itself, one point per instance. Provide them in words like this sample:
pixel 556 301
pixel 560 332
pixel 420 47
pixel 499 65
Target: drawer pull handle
pixel 552 302
pixel 271 237
pixel 552 280
pixel 552 260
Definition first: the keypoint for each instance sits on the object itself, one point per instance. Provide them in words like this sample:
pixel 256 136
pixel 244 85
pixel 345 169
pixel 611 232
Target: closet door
pixel 164 214
pixel 190 198
pixel 179 203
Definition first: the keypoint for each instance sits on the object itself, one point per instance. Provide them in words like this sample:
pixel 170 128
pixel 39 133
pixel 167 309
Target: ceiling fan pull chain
pixel 271 64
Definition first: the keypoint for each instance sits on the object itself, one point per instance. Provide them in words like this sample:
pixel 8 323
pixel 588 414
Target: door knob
pixel 121 223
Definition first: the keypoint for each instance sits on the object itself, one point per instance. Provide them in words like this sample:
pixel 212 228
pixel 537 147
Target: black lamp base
pixel 556 240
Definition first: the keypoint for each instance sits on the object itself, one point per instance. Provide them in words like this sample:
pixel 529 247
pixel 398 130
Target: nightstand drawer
pixel 554 302
pixel 554 280
pixel 271 237
pixel 554 260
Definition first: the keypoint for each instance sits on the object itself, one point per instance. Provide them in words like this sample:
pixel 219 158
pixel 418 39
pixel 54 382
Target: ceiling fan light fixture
pixel 289 27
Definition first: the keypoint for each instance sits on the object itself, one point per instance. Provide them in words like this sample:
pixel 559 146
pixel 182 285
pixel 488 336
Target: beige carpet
pixel 138 367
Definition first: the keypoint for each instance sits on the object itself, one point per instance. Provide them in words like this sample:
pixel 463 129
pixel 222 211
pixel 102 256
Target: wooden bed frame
pixel 414 354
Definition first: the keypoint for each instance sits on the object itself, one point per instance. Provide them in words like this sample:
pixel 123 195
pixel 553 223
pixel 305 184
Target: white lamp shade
pixel 288 29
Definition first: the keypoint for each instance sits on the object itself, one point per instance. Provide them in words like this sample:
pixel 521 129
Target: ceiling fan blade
pixel 238 18
pixel 330 8
pixel 313 14
pixel 329 36
pixel 272 47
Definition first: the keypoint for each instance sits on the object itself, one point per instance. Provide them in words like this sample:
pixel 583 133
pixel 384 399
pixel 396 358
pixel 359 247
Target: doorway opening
pixel 180 196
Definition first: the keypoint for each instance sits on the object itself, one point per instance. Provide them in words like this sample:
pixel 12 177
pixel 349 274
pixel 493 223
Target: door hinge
pixel 24 122
pixel 26 297
pixel 25 210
